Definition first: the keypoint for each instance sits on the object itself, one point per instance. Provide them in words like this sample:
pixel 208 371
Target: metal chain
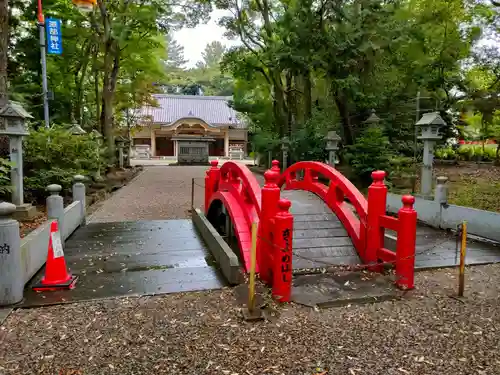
pixel 357 266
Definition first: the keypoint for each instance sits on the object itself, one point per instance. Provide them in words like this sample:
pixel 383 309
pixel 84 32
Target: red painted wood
pixel 386 255
pixel 238 189
pixel 405 244
pixel 282 252
pixel 389 222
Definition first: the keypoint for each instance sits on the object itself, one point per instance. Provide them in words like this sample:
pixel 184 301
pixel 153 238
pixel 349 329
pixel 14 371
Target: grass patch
pixel 476 193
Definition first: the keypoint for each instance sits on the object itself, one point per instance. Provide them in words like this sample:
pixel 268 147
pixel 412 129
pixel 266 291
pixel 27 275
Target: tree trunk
pixel 307 96
pixel 4 46
pixel 290 105
pixel 80 75
pixel 111 70
pixel 346 119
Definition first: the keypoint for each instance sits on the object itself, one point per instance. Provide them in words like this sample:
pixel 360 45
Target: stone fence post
pixel 11 272
pixel 441 190
pixel 79 195
pixel 55 205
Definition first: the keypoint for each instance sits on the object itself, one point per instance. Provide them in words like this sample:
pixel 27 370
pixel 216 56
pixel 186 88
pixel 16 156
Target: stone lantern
pixel 372 120
pixel 98 137
pixel 77 130
pixel 429 125
pixel 332 146
pixel 285 147
pixel 13 124
pixel 120 144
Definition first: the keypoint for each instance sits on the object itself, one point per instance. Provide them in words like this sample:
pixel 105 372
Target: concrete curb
pixel 4 313
pixel 225 257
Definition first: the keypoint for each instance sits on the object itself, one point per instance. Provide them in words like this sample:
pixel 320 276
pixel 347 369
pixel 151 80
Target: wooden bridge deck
pixel 319 238
pixel 134 258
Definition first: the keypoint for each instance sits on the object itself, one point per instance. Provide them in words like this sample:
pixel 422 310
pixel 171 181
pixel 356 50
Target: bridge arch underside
pixel 227 216
pixel 319 237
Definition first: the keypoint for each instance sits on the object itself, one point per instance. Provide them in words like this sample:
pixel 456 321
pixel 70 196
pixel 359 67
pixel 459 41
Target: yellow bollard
pixel 463 249
pixel 253 260
pixel 252 314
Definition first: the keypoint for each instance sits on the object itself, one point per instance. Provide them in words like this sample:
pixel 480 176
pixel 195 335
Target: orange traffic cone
pixel 56 274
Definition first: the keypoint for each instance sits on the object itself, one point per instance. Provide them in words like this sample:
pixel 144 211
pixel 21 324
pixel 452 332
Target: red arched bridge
pixel 364 219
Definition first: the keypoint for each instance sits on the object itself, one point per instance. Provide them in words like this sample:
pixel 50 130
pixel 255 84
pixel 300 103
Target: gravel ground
pixel 157 193
pixel 202 333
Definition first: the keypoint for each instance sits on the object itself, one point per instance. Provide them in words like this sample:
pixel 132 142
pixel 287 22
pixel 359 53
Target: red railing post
pixel 211 182
pixel 282 252
pixel 405 244
pixel 270 195
pixel 377 196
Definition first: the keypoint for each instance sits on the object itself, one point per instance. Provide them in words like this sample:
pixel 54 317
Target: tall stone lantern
pixel 429 125
pixel 332 146
pixel 13 124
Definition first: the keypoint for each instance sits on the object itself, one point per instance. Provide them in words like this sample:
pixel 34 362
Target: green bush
pixel 370 152
pixel 308 144
pixel 54 156
pixel 467 153
pixel 445 154
pixel 5 184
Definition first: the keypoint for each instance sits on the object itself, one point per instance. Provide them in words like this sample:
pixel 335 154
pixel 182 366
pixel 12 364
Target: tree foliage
pixel 112 59
pixel 303 62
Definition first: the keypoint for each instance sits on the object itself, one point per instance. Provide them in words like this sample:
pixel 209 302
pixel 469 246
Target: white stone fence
pixel 439 214
pixel 21 259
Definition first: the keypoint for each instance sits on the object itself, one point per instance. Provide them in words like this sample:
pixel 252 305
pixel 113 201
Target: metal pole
pixel 41 28
pixel 192 195
pixel 461 278
pixel 253 260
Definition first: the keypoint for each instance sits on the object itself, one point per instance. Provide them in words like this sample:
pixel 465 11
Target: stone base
pixel 25 212
pixel 423 196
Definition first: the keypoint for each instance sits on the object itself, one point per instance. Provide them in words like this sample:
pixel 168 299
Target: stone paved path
pixel 158 193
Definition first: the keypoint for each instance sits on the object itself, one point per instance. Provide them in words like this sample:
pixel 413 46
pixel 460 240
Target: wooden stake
pixel 253 260
pixel 463 249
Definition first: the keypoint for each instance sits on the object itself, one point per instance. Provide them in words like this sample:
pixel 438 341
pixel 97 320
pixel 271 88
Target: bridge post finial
pixel 377 196
pixel 276 166
pixel 211 182
pixel 282 252
pixel 405 245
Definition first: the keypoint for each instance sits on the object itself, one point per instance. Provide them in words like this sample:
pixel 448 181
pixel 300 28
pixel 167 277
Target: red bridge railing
pixel 237 188
pixel 364 219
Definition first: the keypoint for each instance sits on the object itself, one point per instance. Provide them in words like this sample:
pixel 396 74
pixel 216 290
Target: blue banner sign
pixel 54 36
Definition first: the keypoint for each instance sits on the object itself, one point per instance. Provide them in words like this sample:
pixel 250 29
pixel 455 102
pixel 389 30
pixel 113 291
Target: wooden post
pixel 211 182
pixel 270 196
pixel 377 196
pixel 282 252
pixel 405 244
pixel 253 259
pixel 463 249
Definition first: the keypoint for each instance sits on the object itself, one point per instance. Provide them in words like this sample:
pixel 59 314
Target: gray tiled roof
pixel 214 110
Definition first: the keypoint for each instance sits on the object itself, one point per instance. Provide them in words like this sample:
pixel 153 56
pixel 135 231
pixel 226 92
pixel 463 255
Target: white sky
pixel 194 40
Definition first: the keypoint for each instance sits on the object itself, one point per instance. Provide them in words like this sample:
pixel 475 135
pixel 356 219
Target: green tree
pixel 175 54
pixel 212 55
